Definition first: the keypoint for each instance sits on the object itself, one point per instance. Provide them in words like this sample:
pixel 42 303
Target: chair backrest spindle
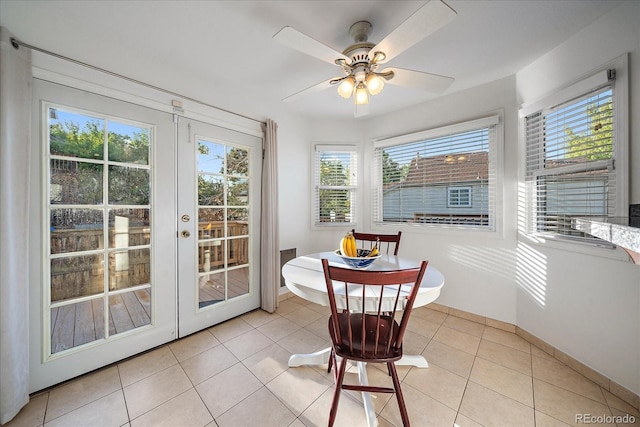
pixel 387 243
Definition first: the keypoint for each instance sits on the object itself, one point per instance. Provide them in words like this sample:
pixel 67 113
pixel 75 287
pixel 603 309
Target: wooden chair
pixel 387 241
pixel 369 332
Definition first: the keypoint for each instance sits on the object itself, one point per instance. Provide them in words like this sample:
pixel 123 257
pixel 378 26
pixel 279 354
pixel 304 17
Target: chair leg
pixel 338 390
pixel 331 357
pixel 396 384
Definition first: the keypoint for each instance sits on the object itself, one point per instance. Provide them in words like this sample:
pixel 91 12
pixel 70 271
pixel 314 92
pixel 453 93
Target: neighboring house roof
pixel 449 168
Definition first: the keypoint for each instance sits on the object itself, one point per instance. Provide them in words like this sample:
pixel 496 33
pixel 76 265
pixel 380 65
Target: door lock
pixel 185 218
pixel 185 233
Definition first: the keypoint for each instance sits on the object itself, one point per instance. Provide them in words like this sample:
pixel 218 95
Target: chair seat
pixel 352 348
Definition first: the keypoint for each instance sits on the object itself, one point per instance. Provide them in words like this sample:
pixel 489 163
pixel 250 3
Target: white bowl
pixel 361 261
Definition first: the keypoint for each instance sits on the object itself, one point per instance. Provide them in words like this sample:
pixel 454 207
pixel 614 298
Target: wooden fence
pixel 76 276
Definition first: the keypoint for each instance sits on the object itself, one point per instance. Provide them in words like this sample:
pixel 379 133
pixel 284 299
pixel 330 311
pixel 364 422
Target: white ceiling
pixel 222 52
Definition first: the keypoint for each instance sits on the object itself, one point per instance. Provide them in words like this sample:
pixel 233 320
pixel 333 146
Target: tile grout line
pixel 124 396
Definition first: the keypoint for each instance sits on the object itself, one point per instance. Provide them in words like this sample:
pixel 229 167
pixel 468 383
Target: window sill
pixel 440 230
pixel 601 250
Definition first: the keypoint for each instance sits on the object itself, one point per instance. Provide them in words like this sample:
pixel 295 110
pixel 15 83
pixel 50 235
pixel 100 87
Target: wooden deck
pixel 80 323
pixel 212 286
pixel 76 324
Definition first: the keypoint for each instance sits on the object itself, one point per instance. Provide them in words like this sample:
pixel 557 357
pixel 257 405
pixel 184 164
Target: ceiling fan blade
pixel 313 89
pixel 428 82
pixel 293 38
pixel 429 18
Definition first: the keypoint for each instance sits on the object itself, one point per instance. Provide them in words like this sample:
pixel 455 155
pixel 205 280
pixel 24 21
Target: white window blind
pixel 441 177
pixel 570 163
pixel 335 185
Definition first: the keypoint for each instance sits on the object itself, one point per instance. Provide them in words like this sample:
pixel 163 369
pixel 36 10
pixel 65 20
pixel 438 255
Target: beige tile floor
pixel 235 374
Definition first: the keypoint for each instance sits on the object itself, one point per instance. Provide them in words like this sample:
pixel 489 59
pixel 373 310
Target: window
pixel 459 197
pixel 440 177
pixel 571 152
pixel 335 185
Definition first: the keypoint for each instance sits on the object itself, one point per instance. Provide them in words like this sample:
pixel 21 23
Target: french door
pixel 218 223
pixel 130 222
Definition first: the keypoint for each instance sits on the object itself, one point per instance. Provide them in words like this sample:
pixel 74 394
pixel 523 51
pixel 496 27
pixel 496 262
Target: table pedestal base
pixel 318 358
pixel 322 358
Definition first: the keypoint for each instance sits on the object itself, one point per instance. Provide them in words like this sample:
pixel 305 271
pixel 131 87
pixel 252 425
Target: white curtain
pixel 15 117
pixel 269 239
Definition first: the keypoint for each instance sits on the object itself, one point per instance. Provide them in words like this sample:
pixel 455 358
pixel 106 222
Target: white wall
pixel 586 303
pixel 294 183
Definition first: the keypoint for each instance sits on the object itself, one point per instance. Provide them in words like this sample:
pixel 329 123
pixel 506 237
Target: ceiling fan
pixel 361 61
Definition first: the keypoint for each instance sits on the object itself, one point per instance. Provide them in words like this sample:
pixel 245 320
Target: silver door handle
pixel 185 234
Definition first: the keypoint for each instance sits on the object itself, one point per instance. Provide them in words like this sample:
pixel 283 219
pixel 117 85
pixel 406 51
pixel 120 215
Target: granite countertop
pixel 621 231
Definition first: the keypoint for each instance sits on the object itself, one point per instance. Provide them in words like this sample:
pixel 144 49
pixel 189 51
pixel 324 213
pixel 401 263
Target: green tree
pixel 596 142
pixel 129 149
pixel 211 188
pixel 392 171
pixel 127 185
pixel 68 139
pixel 238 170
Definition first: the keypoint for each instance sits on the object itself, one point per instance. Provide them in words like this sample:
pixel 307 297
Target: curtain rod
pixel 17 44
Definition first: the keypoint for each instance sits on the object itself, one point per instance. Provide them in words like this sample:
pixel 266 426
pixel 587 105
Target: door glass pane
pixel 212 289
pixel 238 192
pixel 128 186
pixel 223 182
pixel 129 227
pixel 76 276
pixel 238 281
pixel 129 268
pixel 238 252
pixel 75 135
pixel 129 144
pixel 210 255
pixel 76 324
pixel 237 161
pixel 76 230
pixel 92 199
pixel 210 157
pixel 237 221
pixel 75 182
pixel 210 190
pixel 129 310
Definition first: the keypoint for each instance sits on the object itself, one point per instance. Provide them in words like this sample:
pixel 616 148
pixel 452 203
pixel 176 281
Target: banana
pixel 373 252
pixel 343 246
pixel 348 246
pixel 352 245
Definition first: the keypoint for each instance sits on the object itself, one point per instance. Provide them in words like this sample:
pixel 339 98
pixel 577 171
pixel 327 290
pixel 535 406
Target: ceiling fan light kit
pixel 360 61
pixel 361 97
pixel 374 84
pixel 345 89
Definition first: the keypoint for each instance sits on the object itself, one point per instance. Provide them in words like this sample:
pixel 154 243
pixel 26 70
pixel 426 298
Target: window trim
pixel 346 147
pixel 587 82
pixel 488 119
